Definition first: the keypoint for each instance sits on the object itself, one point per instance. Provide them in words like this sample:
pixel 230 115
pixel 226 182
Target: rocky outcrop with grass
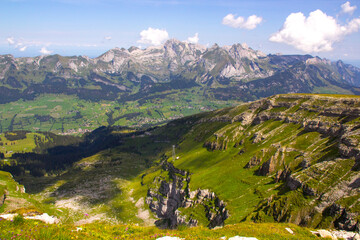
pixel 174 193
pixel 317 162
pixel 3 197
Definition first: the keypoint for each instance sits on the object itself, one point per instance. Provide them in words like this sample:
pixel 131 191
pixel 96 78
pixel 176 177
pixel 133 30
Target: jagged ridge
pixel 229 72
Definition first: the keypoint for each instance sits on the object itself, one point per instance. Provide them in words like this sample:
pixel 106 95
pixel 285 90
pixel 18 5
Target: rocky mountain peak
pixel 175 45
pixel 133 48
pixel 182 52
pixel 173 41
pixel 215 46
pixel 239 51
pixel 6 57
pixel 317 60
pixel 114 53
pixel 244 45
pixel 340 63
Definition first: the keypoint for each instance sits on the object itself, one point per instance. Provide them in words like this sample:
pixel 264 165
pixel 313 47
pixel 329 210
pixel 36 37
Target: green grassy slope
pixel 21 229
pixel 278 141
pixel 14 199
pixel 288 158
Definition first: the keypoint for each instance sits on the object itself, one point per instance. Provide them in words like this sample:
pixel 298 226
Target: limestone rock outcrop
pixel 175 193
pixel 318 159
pixel 3 198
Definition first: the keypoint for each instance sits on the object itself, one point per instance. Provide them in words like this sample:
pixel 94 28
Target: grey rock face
pixel 254 161
pixel 3 198
pixel 344 219
pixel 174 194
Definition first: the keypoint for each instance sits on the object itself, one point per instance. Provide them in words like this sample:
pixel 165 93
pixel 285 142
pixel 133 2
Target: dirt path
pixel 90 219
pixel 143 213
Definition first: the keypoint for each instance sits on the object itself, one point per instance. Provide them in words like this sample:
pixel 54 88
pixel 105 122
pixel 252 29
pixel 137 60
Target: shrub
pixel 18 220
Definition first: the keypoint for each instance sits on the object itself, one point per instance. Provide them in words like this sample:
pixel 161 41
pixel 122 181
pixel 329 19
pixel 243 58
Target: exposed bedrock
pixel 175 193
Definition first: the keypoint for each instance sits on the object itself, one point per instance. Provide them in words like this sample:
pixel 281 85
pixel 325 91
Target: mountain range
pixel 228 72
pixel 147 87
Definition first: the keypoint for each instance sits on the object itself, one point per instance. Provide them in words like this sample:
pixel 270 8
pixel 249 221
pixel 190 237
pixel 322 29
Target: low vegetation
pixel 26 229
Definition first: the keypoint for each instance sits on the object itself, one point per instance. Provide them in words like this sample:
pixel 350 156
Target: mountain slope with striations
pixel 286 158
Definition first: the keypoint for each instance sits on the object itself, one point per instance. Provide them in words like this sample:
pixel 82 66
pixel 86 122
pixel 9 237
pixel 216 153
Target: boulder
pixel 254 161
pixel 324 234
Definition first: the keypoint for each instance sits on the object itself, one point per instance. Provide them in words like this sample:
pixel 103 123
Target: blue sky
pixel 326 28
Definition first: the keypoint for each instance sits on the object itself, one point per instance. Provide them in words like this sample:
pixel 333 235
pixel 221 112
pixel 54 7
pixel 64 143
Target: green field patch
pixel 66 113
pixel 21 115
pixel 18 146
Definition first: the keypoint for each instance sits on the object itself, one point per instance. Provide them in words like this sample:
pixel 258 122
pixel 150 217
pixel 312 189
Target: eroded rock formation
pixel 175 193
pixel 319 159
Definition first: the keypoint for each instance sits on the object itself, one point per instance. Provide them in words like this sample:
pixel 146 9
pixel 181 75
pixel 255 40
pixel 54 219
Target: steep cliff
pixel 167 196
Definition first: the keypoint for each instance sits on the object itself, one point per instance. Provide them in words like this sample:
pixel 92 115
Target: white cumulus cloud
pixel 22 49
pixel 194 39
pixel 347 8
pixel 10 40
pixel 153 36
pixel 315 33
pixel 44 51
pixel 250 23
pixel 17 44
pixel 108 38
